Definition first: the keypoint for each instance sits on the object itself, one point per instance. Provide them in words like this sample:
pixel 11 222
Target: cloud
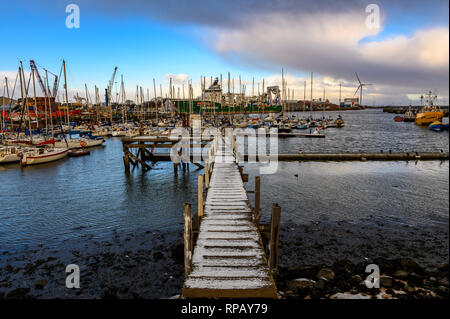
pixel 177 78
pixel 328 37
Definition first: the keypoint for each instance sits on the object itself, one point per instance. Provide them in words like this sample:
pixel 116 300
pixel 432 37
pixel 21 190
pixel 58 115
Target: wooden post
pixel 126 159
pixel 207 175
pixel 257 199
pixel 274 238
pixel 200 196
pixel 187 237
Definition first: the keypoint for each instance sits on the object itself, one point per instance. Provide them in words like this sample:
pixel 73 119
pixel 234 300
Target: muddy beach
pixel 317 260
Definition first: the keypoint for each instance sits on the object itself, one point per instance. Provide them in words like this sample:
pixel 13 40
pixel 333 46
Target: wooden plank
pixel 188 238
pixel 274 238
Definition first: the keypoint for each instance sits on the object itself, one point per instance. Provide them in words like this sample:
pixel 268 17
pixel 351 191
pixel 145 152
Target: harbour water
pixel 93 195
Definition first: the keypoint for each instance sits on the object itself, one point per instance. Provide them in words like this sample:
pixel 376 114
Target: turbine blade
pixel 358 78
pixel 357 90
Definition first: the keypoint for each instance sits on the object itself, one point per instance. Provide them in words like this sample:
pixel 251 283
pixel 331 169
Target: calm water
pixel 93 195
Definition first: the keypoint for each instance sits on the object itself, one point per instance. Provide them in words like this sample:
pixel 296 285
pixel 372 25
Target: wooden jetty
pixel 146 156
pixel 382 156
pixel 228 260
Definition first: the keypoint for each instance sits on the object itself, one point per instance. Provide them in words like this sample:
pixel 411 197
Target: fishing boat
pixel 409 116
pixel 436 126
pixel 43 155
pixel 431 113
pixel 340 122
pixel 398 119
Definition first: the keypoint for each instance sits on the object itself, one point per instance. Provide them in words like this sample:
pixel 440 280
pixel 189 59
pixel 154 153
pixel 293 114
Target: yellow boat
pixel 429 113
pixel 428 116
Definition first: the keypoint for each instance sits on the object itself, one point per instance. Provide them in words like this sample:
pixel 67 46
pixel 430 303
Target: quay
pixel 382 156
pixel 228 259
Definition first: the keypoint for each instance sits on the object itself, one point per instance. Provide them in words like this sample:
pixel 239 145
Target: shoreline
pixel 149 264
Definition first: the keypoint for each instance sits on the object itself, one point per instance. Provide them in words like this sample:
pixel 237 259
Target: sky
pixel 403 57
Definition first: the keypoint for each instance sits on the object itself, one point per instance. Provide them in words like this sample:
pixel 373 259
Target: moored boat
pixel 436 126
pixel 43 155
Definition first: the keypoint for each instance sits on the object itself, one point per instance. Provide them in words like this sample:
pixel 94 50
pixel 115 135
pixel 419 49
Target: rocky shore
pixel 318 260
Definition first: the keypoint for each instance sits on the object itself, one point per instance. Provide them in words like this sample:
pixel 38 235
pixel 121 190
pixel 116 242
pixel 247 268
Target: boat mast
pixel 49 104
pixel 67 95
pixel 311 106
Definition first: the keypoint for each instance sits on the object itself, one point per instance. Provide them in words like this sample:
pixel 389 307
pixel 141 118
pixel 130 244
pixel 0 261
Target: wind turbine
pixel 360 88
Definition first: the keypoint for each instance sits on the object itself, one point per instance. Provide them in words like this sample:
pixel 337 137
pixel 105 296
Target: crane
pixel 109 88
pixel 34 67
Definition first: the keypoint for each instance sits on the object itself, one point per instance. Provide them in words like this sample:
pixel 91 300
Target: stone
pixel 401 274
pixel 326 273
pixel 18 293
pixel 301 283
pixel 386 281
pixel 158 255
pixel 443 282
pixel 40 284
pixel 442 291
pixel 356 279
pixel 410 289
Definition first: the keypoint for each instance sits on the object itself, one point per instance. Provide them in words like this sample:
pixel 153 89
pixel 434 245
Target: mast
pixel 304 96
pixel 9 101
pixel 49 105
pixel 67 96
pixel 26 102
pixel 311 106
pixel 156 106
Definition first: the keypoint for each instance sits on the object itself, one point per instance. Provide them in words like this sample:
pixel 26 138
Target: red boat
pixel 398 119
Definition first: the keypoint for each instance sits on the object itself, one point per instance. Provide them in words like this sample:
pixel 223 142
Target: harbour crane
pixel 41 83
pixel 109 88
pixel 360 88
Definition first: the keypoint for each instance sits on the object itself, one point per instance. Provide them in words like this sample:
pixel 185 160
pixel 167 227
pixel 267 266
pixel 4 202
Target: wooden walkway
pixel 228 259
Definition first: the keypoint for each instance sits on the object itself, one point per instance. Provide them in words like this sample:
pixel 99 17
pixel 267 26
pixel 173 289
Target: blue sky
pixel 144 47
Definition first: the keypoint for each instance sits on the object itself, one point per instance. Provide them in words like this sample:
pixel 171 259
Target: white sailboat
pixel 43 155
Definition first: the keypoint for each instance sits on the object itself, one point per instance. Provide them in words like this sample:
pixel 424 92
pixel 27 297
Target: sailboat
pixel 431 113
pixel 43 155
pixel 9 155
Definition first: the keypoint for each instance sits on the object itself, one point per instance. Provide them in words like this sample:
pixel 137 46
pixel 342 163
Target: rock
pixel 401 274
pixel 301 283
pixel 354 291
pixel 386 281
pixel 443 282
pixel 356 279
pixel 349 296
pixel 410 265
pixel 178 252
pixel 410 289
pixel 442 291
pixel 386 296
pixel 41 284
pixel 18 293
pixel 443 267
pixel 326 273
pixel 158 255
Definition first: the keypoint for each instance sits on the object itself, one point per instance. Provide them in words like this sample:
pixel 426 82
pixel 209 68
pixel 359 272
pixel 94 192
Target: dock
pixel 229 258
pixel 382 156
